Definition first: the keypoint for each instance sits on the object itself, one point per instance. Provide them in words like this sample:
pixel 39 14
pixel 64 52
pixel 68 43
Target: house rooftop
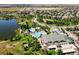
pixel 32 29
pixel 68 48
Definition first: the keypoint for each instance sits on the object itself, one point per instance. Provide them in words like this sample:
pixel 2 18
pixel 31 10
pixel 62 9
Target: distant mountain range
pixel 39 5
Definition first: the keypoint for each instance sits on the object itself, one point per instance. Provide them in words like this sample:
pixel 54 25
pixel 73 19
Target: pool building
pixel 36 32
pixel 56 40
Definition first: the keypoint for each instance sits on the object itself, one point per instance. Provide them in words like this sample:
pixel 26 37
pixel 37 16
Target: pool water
pixel 37 34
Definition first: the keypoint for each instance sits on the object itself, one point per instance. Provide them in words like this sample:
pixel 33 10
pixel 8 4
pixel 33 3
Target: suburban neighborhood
pixel 39 29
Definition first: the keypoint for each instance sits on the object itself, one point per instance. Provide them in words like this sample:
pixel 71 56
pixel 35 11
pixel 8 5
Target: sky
pixel 39 2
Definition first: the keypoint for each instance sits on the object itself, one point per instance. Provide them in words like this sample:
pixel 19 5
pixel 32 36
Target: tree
pixel 36 46
pixel 43 52
pixel 59 52
pixel 63 30
pixel 30 24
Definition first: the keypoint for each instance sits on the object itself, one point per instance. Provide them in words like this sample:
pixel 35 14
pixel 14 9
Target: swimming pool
pixel 37 34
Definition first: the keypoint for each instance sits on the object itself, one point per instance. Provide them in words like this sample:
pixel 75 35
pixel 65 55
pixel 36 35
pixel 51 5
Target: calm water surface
pixel 7 27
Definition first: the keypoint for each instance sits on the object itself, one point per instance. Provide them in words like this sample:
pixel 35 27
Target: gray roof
pixel 54 37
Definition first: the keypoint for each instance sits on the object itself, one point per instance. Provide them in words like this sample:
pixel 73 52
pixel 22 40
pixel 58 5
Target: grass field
pixel 7 47
pixel 11 9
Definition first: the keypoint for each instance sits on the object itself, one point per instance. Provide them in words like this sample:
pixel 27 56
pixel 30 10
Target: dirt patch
pixel 6 47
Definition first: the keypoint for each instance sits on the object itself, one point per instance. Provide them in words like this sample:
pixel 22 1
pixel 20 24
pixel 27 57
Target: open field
pixel 7 47
pixel 11 9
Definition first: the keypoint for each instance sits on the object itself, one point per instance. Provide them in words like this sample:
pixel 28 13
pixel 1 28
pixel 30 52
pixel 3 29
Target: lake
pixel 8 27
